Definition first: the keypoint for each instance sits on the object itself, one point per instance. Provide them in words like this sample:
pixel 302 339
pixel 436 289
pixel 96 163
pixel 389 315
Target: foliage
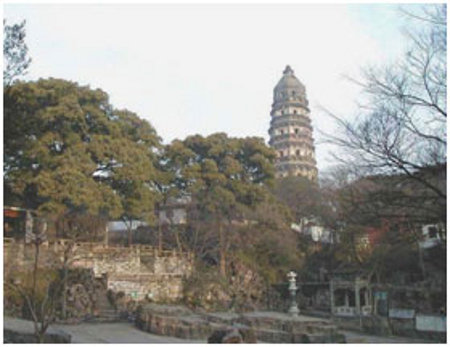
pixel 24 279
pixel 15 52
pixel 67 149
pixel 269 245
pixel 300 194
pixel 204 289
pixel 226 178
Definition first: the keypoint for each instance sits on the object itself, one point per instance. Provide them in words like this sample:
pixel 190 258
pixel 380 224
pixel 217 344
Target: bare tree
pixel 402 129
pixel 39 289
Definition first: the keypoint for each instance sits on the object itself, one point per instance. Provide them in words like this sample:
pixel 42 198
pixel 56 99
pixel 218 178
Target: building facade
pixel 291 133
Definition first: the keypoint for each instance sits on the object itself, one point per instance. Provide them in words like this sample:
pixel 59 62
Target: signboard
pixel 401 313
pixel 431 323
pixel 11 213
pixel 380 295
pixel 381 303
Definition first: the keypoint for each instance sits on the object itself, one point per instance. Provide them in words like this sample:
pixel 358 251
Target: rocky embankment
pixel 273 327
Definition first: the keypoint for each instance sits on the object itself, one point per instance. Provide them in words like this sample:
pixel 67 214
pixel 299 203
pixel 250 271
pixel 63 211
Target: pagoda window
pixel 296 130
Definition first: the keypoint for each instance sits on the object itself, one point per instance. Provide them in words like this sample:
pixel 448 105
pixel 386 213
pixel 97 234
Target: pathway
pixel 123 332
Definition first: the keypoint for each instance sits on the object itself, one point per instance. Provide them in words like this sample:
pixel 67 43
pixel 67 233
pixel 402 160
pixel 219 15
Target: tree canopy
pixel 67 148
pixel 224 176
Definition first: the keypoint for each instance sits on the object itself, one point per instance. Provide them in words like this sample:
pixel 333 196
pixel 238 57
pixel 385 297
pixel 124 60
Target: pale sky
pixel 200 69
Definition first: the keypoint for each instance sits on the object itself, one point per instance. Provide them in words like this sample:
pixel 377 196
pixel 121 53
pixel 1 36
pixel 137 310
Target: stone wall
pixel 156 287
pixel 138 271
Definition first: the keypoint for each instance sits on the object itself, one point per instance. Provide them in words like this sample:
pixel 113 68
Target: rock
pixel 168 310
pixel 233 335
pixel 217 336
pixel 223 327
pixel 173 321
pixel 248 334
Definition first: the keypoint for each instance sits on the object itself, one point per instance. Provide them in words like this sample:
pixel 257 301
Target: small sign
pixel 380 295
pixel 431 323
pixel 401 313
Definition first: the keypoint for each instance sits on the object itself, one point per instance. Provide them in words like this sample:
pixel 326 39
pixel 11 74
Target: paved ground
pixel 115 333
pixel 98 332
pixel 356 337
pixel 127 333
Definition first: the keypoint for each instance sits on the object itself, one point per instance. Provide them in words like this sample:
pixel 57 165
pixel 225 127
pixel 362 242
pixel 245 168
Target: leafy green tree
pixel 15 52
pixel 225 178
pixel 67 149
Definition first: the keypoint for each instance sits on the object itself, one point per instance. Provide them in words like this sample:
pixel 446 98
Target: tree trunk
pixel 222 250
pixel 130 235
pixel 421 262
pixel 177 238
pixel 159 237
pixel 42 330
pixel 64 293
pixel 35 272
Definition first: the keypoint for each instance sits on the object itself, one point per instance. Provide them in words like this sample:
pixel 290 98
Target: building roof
pixel 289 81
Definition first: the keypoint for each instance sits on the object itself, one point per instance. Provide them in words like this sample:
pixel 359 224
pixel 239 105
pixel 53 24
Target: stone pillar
pixel 357 299
pixel 332 297
pixel 346 299
pixel 366 297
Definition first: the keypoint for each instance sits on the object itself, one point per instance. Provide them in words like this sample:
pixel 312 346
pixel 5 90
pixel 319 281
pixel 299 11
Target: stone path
pixel 115 333
pixel 98 332
pixel 126 333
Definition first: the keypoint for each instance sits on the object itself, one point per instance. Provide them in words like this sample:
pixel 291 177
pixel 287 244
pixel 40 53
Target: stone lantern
pixel 293 309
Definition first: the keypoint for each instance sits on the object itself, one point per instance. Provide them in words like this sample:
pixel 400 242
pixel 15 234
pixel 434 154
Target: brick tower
pixel 290 129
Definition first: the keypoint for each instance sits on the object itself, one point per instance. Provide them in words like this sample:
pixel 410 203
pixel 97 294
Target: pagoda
pixel 291 133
